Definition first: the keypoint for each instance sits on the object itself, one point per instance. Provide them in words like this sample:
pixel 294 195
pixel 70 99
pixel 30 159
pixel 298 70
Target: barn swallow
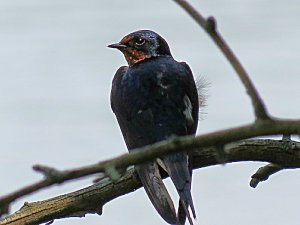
pixel 155 98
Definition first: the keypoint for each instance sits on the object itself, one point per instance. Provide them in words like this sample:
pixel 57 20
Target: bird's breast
pixel 153 94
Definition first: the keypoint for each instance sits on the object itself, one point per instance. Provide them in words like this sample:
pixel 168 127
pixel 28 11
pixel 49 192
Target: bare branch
pixel 143 154
pixel 93 198
pixel 210 27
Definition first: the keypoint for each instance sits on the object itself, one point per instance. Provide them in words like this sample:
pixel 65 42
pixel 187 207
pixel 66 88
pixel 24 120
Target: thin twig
pixel 263 173
pixel 210 27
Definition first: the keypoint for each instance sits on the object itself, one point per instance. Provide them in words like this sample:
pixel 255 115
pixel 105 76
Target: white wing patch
pixel 188 109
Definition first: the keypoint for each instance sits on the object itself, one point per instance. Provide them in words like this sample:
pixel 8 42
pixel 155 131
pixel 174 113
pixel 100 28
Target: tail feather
pixel 186 198
pixel 177 168
pixel 186 211
pixel 156 190
pixel 185 202
pixel 176 165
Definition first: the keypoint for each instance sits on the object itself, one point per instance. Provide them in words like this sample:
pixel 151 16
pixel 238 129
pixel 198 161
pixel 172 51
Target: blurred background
pixel 55 80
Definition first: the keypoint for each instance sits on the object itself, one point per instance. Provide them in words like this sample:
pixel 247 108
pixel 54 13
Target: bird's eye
pixel 140 41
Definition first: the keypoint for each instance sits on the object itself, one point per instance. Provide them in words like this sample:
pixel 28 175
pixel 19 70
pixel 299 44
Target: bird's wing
pixel 116 101
pixel 177 165
pixel 114 89
pixel 192 93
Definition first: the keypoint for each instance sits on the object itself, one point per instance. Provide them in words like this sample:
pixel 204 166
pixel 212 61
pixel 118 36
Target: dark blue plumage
pixel 155 98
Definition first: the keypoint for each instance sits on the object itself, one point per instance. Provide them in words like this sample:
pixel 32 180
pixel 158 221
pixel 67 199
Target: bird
pixel 155 98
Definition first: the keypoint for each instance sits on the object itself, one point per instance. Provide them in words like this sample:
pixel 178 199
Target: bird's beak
pixel 117 46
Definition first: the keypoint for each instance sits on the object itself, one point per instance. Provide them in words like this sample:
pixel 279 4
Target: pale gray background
pixel 55 78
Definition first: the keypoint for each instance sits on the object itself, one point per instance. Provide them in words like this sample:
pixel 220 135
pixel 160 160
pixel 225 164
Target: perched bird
pixel 155 98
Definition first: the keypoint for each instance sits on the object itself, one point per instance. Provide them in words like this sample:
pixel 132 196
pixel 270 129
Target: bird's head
pixel 141 45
